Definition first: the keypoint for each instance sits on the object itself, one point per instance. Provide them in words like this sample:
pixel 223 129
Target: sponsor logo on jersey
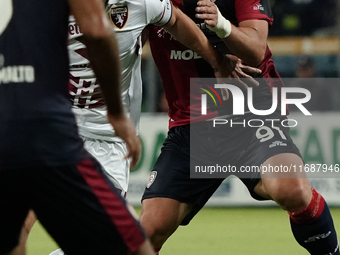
pixel 277 143
pixel 152 178
pixel 184 55
pixel 6 7
pixel 258 7
pixel 317 237
pixel 73 29
pixel 119 16
pixel 16 74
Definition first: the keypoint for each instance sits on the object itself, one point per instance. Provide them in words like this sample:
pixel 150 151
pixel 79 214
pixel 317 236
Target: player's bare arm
pixel 187 32
pixel 247 41
pixel 102 49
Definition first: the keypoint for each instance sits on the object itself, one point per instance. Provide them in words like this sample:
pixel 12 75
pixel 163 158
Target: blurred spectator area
pixel 325 52
pixel 301 28
pixel 304 17
pixel 306 27
pixel 287 52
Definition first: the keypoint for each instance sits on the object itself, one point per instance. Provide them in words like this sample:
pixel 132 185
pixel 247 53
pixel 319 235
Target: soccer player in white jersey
pixel 88 104
pixel 129 19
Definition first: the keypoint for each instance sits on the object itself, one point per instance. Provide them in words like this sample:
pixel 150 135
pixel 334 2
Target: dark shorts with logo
pixel 201 144
pixel 77 204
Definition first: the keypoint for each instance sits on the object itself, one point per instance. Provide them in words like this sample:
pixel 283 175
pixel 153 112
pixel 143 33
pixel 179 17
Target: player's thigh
pixel 111 155
pixel 168 212
pixel 170 179
pixel 84 212
pixel 268 155
pixel 13 208
pixel 289 188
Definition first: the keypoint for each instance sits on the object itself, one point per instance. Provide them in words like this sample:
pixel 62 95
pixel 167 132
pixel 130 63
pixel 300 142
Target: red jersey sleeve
pixel 253 9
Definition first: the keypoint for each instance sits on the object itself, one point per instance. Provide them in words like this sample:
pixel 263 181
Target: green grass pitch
pixel 242 231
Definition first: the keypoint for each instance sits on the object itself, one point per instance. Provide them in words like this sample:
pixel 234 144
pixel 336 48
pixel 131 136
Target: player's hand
pixel 231 70
pixel 125 129
pixel 207 10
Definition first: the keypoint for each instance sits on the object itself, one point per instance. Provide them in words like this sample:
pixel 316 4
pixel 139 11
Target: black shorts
pixel 78 206
pixel 201 144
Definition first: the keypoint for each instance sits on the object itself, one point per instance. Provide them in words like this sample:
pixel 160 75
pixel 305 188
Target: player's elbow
pixel 258 56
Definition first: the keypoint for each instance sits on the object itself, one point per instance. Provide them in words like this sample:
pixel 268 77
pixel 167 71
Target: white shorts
pixel 111 157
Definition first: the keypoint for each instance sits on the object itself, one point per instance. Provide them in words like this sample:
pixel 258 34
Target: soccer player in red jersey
pixel 172 198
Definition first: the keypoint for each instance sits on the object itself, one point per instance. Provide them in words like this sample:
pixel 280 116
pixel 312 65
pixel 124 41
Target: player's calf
pixel 313 227
pixel 310 218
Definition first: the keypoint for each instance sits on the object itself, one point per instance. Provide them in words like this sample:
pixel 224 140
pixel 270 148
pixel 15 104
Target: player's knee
pixel 159 235
pixel 293 197
pixel 158 228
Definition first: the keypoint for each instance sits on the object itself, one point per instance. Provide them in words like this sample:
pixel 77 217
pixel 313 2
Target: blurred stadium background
pixel 305 42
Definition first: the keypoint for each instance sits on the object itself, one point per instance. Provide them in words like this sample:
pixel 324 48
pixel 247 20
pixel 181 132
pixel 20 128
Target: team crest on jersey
pixel 152 178
pixel 258 7
pixel 119 16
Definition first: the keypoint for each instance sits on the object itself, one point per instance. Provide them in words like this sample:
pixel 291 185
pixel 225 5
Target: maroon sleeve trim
pixel 252 15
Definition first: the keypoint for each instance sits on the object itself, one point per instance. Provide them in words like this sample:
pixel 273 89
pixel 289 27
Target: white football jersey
pixel 129 18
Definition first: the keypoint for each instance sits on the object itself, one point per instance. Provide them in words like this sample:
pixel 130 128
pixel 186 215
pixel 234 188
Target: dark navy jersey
pixel 36 123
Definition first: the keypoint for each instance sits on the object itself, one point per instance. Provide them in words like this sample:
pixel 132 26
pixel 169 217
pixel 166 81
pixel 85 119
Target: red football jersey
pixel 177 64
